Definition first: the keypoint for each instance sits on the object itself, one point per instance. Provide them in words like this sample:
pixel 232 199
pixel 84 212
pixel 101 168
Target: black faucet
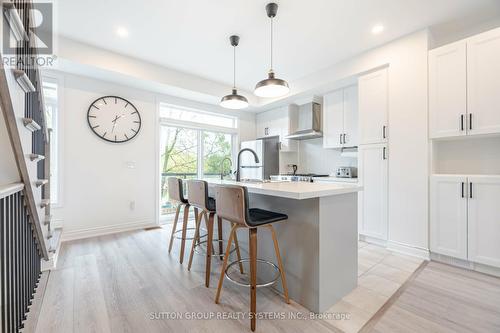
pixel 238 165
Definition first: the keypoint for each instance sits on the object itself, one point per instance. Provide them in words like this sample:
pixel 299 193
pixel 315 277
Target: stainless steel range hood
pixel 309 122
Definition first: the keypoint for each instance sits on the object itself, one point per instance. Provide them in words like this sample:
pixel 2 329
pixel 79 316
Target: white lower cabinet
pixel 449 216
pixel 372 203
pixel 465 217
pixel 484 220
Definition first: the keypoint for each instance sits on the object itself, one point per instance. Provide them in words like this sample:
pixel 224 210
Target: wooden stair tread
pixel 31 125
pixel 55 239
pixel 36 157
pixel 41 182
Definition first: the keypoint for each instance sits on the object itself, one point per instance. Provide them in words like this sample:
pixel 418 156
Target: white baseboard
pixel 397 247
pixel 490 270
pixel 372 240
pixel 408 250
pixel 106 230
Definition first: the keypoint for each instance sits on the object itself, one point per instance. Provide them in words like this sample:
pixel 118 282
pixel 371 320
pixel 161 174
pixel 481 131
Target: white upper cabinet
pixel 484 220
pixel 448 220
pixel 464 83
pixel 448 90
pixel 483 74
pixel 340 118
pixel 373 107
pixel 351 116
pixel 372 201
pixel 278 122
pixel 333 119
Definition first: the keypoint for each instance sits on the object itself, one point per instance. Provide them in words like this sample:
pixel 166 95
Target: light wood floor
pixel 443 298
pixel 116 283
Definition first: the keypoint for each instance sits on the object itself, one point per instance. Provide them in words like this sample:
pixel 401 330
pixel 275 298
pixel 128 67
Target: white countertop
pixel 293 190
pixel 335 179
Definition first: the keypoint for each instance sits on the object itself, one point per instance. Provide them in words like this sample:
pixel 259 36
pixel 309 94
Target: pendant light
pixel 234 101
pixel 272 86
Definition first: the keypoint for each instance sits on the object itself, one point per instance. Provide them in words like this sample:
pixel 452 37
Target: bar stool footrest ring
pixel 187 238
pixel 258 285
pixel 221 255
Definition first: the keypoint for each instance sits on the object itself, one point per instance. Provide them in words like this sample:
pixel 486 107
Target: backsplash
pixel 313 158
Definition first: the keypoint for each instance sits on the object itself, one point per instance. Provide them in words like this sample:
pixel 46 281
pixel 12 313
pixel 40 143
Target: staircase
pixel 25 202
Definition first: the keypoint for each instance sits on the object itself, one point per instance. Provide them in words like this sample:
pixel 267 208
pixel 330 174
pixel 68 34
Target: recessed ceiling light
pixel 377 29
pixel 122 32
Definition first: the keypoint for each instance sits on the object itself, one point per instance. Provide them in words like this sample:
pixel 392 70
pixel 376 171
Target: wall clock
pixel 114 119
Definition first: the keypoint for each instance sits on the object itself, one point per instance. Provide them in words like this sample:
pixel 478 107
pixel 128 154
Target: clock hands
pixel 114 123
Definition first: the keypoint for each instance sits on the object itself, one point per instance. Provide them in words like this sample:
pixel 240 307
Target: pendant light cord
pixel 271 44
pixel 234 67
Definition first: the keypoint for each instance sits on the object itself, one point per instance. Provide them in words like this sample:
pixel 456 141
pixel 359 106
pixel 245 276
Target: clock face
pixel 114 119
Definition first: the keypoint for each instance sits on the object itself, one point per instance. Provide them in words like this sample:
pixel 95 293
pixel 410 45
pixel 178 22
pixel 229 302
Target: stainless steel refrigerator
pixel 267 150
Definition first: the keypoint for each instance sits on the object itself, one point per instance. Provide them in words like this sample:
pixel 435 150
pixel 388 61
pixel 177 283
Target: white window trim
pixel 59 80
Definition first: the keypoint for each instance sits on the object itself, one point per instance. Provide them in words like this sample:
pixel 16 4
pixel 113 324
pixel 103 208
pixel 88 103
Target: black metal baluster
pixel 15 258
pixel 10 323
pixel 3 287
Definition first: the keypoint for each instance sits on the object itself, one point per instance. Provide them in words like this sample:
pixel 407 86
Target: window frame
pixel 59 134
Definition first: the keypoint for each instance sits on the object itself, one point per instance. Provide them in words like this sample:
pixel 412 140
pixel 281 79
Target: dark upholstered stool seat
pixel 258 217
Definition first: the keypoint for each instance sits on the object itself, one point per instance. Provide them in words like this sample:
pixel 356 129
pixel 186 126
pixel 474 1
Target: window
pixel 50 95
pixel 189 154
pixel 193 144
pixel 216 148
pixel 173 112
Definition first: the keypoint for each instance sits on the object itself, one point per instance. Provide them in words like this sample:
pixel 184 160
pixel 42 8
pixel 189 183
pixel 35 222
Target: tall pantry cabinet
pixel 373 155
pixel 464 104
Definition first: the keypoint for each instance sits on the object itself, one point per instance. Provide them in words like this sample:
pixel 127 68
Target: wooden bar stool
pixel 198 198
pixel 176 194
pixel 232 205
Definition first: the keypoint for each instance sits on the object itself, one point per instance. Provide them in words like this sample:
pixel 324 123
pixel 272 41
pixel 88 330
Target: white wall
pixel 97 185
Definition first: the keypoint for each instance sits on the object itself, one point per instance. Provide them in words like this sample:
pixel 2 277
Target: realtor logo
pixel 27 22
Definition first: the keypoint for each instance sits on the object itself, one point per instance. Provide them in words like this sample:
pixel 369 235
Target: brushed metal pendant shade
pixel 234 100
pixel 272 86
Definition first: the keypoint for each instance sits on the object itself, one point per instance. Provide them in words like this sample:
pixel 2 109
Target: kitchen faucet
pixel 238 165
pixel 222 166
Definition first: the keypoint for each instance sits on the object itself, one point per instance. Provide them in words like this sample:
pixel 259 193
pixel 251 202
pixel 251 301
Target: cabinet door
pixel 351 116
pixel 372 209
pixel 483 85
pixel 333 119
pixel 373 107
pixel 448 90
pixel 261 124
pixel 448 220
pixel 484 220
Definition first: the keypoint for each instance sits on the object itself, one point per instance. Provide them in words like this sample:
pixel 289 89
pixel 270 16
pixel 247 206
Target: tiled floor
pixel 380 274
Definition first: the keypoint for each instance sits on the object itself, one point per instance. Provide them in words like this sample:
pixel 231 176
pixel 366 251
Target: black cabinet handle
pixel 470 190
pixel 383 132
pixel 470 121
pixel 462 122
pixel 463 190
pixel 383 153
pixel 343 137
pixel 340 138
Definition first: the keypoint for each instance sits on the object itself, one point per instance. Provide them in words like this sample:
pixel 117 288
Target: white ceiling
pixel 192 35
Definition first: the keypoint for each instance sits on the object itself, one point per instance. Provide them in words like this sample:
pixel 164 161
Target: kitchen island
pixel 318 242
